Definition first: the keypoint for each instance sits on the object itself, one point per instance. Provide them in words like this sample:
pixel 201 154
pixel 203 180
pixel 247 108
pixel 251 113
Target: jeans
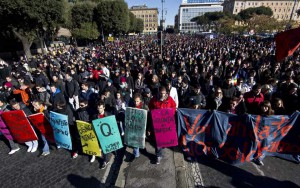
pixel 13 145
pixel 46 145
pixel 104 158
pixel 159 152
pixel 136 152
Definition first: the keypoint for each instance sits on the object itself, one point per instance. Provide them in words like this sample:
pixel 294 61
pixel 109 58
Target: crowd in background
pixel 231 74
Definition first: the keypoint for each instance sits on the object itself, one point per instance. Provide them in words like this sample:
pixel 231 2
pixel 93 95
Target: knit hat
pixel 147 90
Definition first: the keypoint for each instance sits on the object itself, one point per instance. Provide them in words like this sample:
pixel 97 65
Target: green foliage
pixel 250 12
pixel 86 31
pixel 132 23
pixel 27 18
pixel 212 20
pixel 82 13
pixel 112 16
pixel 139 25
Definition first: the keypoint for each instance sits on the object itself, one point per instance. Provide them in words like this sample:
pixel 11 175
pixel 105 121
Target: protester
pixel 138 103
pixel 4 107
pixel 162 100
pixel 32 145
pixel 228 74
pixel 39 107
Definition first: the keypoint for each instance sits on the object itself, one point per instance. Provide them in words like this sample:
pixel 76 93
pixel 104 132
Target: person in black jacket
pixel 40 78
pixel 72 91
pixel 64 108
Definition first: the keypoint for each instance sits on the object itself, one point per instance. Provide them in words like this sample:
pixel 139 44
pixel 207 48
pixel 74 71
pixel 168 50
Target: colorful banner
pixel 19 126
pixel 236 139
pixel 42 124
pixel 88 138
pixel 108 134
pixel 135 127
pixel 60 125
pixel 164 127
pixel 3 129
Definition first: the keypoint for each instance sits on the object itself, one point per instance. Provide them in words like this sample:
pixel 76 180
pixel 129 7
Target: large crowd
pixel 230 73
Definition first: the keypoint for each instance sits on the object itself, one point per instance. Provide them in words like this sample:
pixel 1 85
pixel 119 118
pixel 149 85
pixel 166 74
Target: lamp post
pixel 162 28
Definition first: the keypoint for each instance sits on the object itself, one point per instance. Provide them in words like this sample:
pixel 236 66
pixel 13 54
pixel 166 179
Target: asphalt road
pixel 275 173
pixel 58 169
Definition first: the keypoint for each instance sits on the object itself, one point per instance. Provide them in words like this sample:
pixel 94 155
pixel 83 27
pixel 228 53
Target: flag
pixel 287 43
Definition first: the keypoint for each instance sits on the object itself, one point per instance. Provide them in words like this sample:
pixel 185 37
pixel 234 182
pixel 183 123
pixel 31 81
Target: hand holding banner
pixel 19 126
pixel 135 127
pixel 108 134
pixel 60 125
pixel 164 127
pixel 42 124
pixel 88 138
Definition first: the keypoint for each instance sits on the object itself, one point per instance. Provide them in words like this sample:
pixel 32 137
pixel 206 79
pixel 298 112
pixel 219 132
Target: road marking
pixel 196 172
pixel 258 169
pixel 107 169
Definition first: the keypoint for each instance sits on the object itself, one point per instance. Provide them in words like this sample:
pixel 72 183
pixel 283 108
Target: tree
pixel 112 16
pixel 132 23
pixel 259 18
pixel 250 12
pixel 87 30
pixel 28 19
pixel 212 20
pixel 139 25
pixel 202 21
pixel 82 13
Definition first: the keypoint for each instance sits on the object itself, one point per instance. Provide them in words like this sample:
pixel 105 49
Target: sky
pixel 170 8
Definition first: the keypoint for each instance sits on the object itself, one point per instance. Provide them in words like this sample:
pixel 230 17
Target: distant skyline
pixel 170 8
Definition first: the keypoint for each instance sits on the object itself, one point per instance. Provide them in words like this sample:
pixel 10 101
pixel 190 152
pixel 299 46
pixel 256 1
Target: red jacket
pixel 157 104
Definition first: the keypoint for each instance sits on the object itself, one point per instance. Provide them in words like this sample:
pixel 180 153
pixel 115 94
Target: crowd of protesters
pixel 231 74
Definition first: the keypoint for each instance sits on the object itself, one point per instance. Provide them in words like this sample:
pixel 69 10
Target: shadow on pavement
pixel 242 178
pixel 79 182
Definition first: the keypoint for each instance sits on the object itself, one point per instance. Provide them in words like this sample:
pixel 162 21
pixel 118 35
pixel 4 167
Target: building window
pixel 280 10
pixel 275 10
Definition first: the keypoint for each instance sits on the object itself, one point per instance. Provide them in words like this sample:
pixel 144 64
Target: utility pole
pixel 162 28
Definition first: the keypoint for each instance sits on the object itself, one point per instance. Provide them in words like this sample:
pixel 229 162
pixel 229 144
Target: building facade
pixel 281 9
pixel 149 15
pixel 193 8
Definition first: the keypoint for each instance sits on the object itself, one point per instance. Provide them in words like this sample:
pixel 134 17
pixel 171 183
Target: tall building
pixel 149 15
pixel 193 8
pixel 282 9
